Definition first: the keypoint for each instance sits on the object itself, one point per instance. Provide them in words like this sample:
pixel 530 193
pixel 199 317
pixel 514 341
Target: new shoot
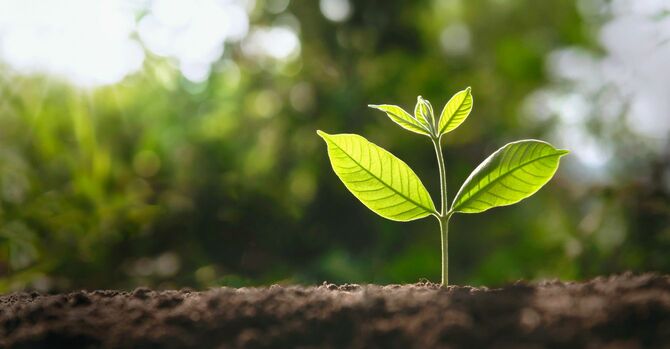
pixel 389 187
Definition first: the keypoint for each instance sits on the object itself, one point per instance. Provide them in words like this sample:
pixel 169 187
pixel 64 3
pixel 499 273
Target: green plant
pixel 389 187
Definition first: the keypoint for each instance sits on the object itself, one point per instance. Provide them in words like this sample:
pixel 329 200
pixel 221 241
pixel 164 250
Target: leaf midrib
pixel 451 118
pixel 384 183
pixel 412 122
pixel 506 174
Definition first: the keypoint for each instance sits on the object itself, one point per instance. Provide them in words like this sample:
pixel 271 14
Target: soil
pixel 623 311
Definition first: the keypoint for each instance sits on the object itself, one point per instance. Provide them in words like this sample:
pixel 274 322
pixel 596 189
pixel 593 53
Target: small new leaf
pixel 423 112
pixel 381 181
pixel 511 174
pixel 455 111
pixel 402 118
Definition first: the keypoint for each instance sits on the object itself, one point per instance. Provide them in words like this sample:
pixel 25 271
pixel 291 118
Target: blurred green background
pixel 196 163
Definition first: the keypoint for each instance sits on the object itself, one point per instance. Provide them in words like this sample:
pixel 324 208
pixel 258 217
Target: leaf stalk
pixel 443 176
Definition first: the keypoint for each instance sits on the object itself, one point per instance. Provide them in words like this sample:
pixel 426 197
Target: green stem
pixel 444 216
pixel 444 238
pixel 443 177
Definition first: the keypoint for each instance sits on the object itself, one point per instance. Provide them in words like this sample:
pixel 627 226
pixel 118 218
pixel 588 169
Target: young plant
pixel 387 186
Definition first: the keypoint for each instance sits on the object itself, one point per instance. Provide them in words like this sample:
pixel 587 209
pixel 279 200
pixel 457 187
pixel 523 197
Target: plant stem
pixel 444 216
pixel 443 175
pixel 444 238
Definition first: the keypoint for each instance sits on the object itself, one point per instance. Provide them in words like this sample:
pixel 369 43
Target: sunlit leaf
pixel 511 174
pixel 381 181
pixel 455 111
pixel 402 118
pixel 423 112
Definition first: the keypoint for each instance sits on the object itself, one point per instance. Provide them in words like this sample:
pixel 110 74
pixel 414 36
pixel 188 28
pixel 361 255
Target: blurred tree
pixel 161 181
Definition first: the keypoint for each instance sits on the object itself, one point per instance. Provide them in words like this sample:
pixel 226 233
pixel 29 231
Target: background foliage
pixel 158 180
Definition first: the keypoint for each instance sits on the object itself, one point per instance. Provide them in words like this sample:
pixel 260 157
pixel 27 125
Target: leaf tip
pixel 322 134
pixel 563 152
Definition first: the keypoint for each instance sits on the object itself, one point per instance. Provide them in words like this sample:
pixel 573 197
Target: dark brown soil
pixel 625 311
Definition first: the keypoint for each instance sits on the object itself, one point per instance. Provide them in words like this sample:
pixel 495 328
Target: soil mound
pixel 622 311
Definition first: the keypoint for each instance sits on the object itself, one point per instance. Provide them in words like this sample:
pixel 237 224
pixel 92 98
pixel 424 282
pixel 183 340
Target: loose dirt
pixel 624 311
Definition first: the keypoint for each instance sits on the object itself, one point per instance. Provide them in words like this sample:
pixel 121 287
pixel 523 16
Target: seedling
pixel 387 186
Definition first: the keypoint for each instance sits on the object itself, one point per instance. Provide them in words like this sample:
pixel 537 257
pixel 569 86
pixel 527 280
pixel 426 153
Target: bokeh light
pixel 172 143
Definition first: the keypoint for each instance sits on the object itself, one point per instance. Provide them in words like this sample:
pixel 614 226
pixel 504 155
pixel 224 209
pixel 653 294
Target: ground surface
pixel 625 311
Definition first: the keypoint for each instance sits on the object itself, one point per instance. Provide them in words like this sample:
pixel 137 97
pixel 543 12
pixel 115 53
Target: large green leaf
pixel 511 174
pixel 402 118
pixel 455 111
pixel 383 183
